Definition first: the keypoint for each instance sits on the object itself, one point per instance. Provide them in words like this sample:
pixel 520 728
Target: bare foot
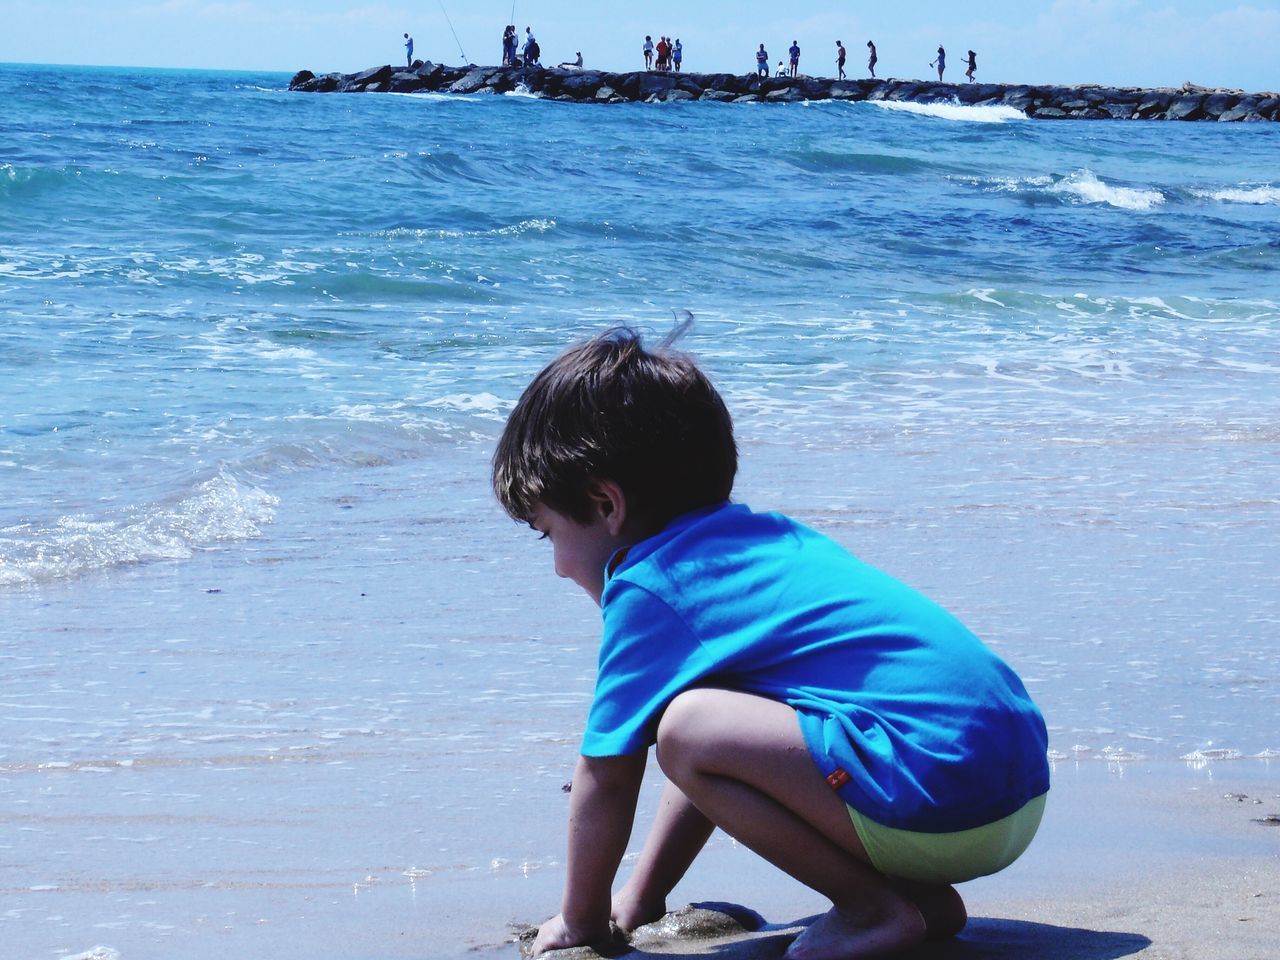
pixel 839 935
pixel 631 912
pixel 940 905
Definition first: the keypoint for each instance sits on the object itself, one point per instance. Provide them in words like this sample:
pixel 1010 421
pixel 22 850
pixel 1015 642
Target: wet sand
pixel 1144 860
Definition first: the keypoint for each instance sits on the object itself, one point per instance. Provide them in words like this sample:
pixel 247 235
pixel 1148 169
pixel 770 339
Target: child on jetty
pixel 831 719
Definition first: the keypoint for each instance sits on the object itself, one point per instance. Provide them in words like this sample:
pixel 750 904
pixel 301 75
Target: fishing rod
pixel 453 31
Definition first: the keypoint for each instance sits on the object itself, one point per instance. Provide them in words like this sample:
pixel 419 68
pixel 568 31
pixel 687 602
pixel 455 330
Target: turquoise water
pixel 255 347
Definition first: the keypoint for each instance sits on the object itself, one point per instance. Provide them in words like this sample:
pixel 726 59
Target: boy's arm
pixel 679 832
pixel 602 808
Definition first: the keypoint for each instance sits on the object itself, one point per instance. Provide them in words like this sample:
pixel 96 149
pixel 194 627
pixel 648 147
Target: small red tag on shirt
pixel 837 778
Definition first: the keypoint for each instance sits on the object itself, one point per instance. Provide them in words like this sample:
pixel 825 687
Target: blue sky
pixel 1145 42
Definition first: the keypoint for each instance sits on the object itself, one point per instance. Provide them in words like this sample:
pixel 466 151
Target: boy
pixel 823 714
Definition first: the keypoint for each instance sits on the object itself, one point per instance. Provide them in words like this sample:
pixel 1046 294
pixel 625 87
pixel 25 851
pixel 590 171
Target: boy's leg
pixel 678 834
pixel 742 761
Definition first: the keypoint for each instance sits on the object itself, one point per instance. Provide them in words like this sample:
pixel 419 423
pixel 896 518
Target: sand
pixel 1158 861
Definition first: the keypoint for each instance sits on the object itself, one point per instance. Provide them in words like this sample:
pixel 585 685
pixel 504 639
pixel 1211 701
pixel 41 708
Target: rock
pixel 1215 105
pixel 1153 105
pixel 1240 110
pixel 372 75
pixel 977 92
pixel 697 921
pixel 655 85
pixel 1185 108
pixel 473 81
pixel 1083 101
pixel 1118 111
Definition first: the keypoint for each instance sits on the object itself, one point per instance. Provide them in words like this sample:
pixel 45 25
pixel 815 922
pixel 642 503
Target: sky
pixel 1122 42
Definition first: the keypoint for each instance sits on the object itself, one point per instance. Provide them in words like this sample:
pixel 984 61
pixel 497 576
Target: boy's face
pixel 580 550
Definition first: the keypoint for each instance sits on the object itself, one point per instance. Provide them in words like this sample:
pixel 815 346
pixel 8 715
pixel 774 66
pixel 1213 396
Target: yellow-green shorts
pixel 949 857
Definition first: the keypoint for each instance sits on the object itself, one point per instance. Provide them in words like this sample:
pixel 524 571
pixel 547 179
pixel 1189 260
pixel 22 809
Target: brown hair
pixel 609 409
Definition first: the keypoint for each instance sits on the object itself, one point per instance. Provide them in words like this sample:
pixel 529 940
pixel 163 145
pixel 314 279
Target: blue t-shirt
pixel 933 732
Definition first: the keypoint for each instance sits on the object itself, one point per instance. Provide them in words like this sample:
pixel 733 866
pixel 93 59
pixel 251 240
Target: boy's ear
pixel 609 503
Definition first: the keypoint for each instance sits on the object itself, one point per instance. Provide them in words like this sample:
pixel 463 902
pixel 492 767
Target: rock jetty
pixel 1084 102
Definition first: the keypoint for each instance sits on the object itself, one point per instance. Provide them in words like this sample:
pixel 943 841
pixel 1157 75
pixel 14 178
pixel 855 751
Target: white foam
pixel 472 403
pixel 217 510
pixel 1260 194
pixel 1084 185
pixel 96 953
pixel 534 225
pixel 523 92
pixel 954 110
pixel 1214 753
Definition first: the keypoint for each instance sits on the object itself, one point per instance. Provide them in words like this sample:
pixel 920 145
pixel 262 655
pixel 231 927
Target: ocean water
pixel 274 662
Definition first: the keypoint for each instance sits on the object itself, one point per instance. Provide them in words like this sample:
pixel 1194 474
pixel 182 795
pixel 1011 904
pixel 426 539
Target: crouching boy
pixel 831 719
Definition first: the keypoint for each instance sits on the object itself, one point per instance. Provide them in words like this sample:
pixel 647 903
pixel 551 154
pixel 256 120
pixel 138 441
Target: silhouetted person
pixel 973 65
pixel 840 54
pixel 941 61
pixel 871 59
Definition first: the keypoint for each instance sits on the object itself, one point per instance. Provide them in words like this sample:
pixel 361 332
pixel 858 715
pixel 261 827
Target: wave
pixel 954 110
pixel 1080 186
pixel 1084 185
pixel 1242 193
pixel 869 163
pixel 522 92
pixel 218 510
pixel 535 225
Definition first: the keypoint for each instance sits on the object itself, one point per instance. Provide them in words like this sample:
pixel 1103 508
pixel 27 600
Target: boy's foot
pixel 941 906
pixel 838 935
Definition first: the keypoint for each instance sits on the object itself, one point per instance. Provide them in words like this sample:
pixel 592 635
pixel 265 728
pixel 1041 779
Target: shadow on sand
pixel 993 939
pixel 984 938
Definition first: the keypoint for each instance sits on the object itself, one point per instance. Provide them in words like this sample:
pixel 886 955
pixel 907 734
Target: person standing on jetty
pixel 531 49
pixel 677 54
pixel 408 50
pixel 794 52
pixel 762 62
pixel 973 66
pixel 840 52
pixel 941 61
pixel 664 55
pixel 509 45
pixel 826 716
pixel 648 52
pixel 871 59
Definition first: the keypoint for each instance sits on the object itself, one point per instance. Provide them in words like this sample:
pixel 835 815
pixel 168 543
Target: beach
pixel 280 679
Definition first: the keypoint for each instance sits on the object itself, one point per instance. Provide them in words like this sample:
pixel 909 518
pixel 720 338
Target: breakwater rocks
pixel 1084 102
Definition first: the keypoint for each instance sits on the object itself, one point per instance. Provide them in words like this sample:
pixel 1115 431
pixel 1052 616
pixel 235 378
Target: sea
pixel 280 679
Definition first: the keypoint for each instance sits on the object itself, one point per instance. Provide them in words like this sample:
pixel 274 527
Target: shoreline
pixel 1038 101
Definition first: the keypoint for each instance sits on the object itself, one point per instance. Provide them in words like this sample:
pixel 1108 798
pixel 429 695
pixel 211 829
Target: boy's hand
pixel 555 934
